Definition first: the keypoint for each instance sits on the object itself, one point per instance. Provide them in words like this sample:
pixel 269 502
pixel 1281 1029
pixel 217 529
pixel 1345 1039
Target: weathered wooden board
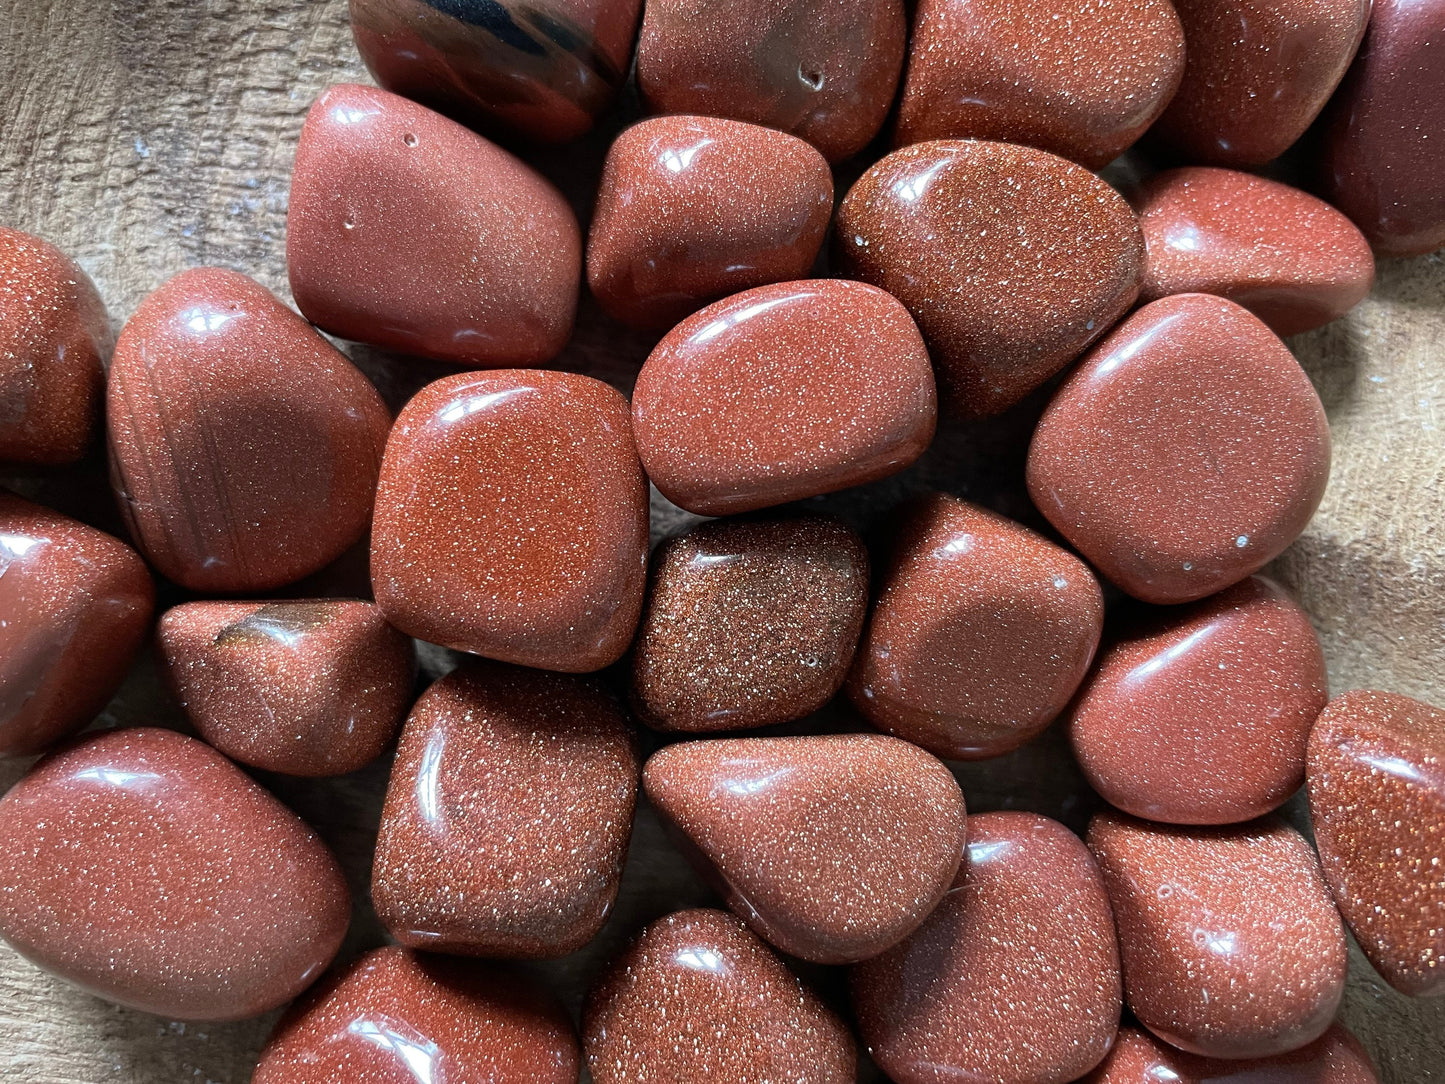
pixel 148 136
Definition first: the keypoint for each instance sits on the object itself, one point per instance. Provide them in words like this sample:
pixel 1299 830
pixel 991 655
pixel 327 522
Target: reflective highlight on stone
pixel 824 70
pixel 1289 258
pixel 397 1017
pixel 832 847
pixel 1377 801
pixel 781 393
pixel 507 818
pixel 314 687
pixel 692 209
pixel 54 338
pixel 75 607
pixel 1231 946
pixel 511 519
pixel 1015 977
pixel 748 623
pixel 698 997
pixel 144 867
pixel 544 71
pixel 1080 78
pixel 1201 715
pixel 1139 1058
pixel 1012 260
pixel 244 447
pixel 1185 452
pixel 409 232
pixel 1256 74
pixel 981 632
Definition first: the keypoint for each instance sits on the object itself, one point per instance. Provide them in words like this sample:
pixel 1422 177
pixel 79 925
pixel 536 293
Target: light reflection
pixel 207 320
pixel 1132 348
pixel 418 1055
pixel 701 959
pixel 742 786
pixel 679 158
pixel 732 319
pixel 1401 769
pixel 15 546
pixel 116 777
pixel 912 189
pixel 1164 658
pixel 427 783
pixel 350 114
pixel 1184 238
pixel 987 852
pixel 473 404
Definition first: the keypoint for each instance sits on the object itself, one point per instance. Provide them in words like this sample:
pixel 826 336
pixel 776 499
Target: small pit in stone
pixel 812 78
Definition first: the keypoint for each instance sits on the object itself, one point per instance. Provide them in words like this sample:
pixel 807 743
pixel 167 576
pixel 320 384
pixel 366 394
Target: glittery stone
pixel 397 1017
pixel 833 847
pixel 144 867
pixel 981 632
pixel 824 70
pixel 315 687
pixel 407 231
pixel 1029 71
pixel 1256 73
pixel 1139 1058
pixel 54 337
pixel 1231 946
pixel 697 997
pixel 1012 260
pixel 244 447
pixel 1384 159
pixel 507 818
pixel 1184 453
pixel 1014 978
pixel 692 209
pixel 75 607
pixel 783 392
pixel 1201 715
pixel 542 71
pixel 511 520
pixel 748 623
pixel 1377 800
pixel 1292 260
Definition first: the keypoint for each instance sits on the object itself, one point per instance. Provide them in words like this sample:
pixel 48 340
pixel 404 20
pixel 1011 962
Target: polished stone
pixel 1012 260
pixel 144 867
pixel 244 447
pixel 507 819
pixel 783 392
pixel 1139 1058
pixel 1185 452
pixel 691 209
pixel 511 520
pixel 1377 801
pixel 409 232
pixel 981 632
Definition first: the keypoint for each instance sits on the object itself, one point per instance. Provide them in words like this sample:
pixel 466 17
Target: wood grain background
pixel 148 136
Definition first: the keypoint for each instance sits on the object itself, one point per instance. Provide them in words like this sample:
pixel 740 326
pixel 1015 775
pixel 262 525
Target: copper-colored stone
pixel 833 847
pixel 1231 946
pixel 981 633
pixel 1384 161
pixel 697 997
pixel 144 867
pixel 511 519
pixel 1184 453
pixel 244 447
pixel 1201 715
pixel 75 607
pixel 824 70
pixel 315 687
pixel 783 392
pixel 542 71
pixel 54 338
pixel 1377 800
pixel 407 231
pixel 1139 1058
pixel 748 623
pixel 1256 73
pixel 1012 260
pixel 1029 71
pixel 397 1017
pixel 692 209
pixel 1014 978
pixel 507 818
pixel 1289 258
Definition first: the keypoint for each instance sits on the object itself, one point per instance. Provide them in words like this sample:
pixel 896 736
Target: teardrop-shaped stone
pixel 144 867
pixel 1138 1058
pixel 244 447
pixel 832 847
pixel 1012 260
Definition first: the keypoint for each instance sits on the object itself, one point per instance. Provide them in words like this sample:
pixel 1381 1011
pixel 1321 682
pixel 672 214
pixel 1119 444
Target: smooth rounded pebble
pixel 1139 1058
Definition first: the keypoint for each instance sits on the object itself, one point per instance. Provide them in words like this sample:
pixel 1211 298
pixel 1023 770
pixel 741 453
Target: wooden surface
pixel 148 136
